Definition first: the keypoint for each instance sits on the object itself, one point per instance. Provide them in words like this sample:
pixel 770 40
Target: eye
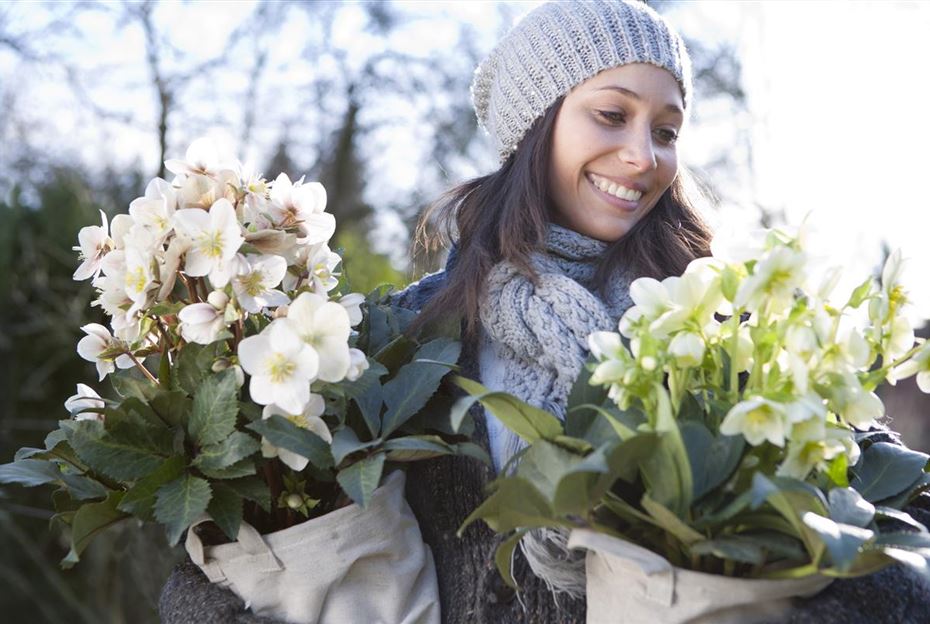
pixel 667 135
pixel 613 118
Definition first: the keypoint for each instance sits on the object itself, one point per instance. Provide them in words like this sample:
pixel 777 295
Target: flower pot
pixel 628 584
pixel 351 565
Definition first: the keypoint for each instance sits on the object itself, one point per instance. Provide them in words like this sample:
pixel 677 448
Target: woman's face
pixel 613 149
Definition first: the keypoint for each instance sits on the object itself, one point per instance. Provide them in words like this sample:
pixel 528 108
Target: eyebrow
pixel 634 95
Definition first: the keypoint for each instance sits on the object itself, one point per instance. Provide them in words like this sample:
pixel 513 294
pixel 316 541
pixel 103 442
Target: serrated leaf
pixel 30 472
pixel 367 393
pixel 136 424
pixel 140 499
pixel 361 479
pixel 284 434
pixel 172 407
pixel 54 438
pixel 223 454
pixel 415 383
pixel 253 489
pixel 242 468
pixel 345 442
pixel 415 448
pixel 226 509
pixel 89 521
pixel 886 469
pixel 194 364
pixel 213 416
pixel 117 459
pixel 127 385
pixel 180 502
pixel 83 488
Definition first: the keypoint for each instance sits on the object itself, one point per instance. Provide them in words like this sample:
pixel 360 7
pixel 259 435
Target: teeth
pixel 615 189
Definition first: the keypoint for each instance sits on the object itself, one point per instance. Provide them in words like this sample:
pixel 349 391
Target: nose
pixel 637 151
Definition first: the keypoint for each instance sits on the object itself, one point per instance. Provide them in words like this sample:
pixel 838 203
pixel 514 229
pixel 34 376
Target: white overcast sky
pixel 837 113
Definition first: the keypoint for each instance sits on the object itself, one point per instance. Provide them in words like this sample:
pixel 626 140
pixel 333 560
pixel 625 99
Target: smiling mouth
pixel 612 188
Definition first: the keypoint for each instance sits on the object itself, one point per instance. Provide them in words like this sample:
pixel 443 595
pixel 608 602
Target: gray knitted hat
pixel 560 45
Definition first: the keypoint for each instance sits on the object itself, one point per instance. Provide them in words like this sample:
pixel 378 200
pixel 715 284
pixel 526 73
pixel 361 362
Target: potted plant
pixel 259 406
pixel 716 457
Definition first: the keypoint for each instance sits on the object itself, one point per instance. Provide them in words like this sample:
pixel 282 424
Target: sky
pixel 836 114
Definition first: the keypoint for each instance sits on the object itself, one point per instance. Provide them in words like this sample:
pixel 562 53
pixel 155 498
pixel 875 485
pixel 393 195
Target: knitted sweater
pixel 442 492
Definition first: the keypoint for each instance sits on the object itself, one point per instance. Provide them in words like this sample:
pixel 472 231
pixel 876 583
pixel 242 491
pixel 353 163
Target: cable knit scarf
pixel 535 336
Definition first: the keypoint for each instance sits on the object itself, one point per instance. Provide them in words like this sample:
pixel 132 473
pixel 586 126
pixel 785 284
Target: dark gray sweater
pixel 442 492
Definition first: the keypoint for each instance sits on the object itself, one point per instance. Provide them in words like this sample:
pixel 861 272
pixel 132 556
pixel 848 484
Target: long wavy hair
pixel 505 216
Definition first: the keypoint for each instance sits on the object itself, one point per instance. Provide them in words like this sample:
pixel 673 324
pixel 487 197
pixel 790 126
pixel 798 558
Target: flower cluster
pixel 220 253
pixel 790 365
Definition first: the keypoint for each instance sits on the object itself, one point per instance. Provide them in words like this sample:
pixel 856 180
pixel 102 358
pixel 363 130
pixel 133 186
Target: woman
pixel 584 102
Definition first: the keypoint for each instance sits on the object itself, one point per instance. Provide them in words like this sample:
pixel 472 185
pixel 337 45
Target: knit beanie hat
pixel 560 45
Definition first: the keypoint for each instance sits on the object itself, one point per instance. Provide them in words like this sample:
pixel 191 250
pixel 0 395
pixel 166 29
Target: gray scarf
pixel 535 335
pixel 534 346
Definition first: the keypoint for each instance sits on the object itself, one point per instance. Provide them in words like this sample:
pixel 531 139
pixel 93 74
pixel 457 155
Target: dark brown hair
pixel 505 216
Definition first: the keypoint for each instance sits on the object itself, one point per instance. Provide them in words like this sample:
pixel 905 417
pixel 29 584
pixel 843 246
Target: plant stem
pixel 142 368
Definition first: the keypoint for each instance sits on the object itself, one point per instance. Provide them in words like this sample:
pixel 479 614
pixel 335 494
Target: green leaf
pixel 528 422
pixel 226 509
pixel 887 469
pixel 667 471
pixel 583 392
pixel 408 391
pixel 172 407
pixel 861 293
pixel 253 489
pixel 223 454
pixel 734 548
pixel 712 459
pixel 136 424
pixel 848 507
pixel 30 472
pixel 791 499
pixel 842 540
pixel 414 448
pixel 83 488
pixel 838 471
pixel 888 513
pixel 503 557
pixel 179 503
pixel 345 442
pixel 215 407
pixel 470 449
pixel 361 479
pixel 194 363
pixel 117 459
pixel 515 503
pixel 140 499
pixel 89 521
pixel 367 393
pixel 545 464
pixel 242 468
pixel 127 385
pixel 284 434
pixel 670 522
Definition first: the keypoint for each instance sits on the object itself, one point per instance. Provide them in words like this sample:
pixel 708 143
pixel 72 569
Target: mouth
pixel 615 193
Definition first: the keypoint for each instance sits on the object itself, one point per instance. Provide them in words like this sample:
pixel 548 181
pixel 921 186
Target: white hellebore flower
pixel 94 243
pixel 308 419
pixel 98 340
pixel 324 326
pixel 255 282
pixel 201 158
pixel 358 364
pixel 687 348
pixel 80 404
pixel 302 205
pixel 773 281
pixel 281 367
pixel 918 365
pixel 215 240
pixel 204 322
pixel 155 210
pixel 353 305
pixel 757 419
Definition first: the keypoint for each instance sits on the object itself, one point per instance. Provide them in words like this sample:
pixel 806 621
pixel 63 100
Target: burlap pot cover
pixel 351 565
pixel 628 584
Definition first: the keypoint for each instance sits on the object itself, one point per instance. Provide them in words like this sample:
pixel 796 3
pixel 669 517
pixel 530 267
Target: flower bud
pixel 648 363
pixel 218 299
pixel 687 348
pixel 294 501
